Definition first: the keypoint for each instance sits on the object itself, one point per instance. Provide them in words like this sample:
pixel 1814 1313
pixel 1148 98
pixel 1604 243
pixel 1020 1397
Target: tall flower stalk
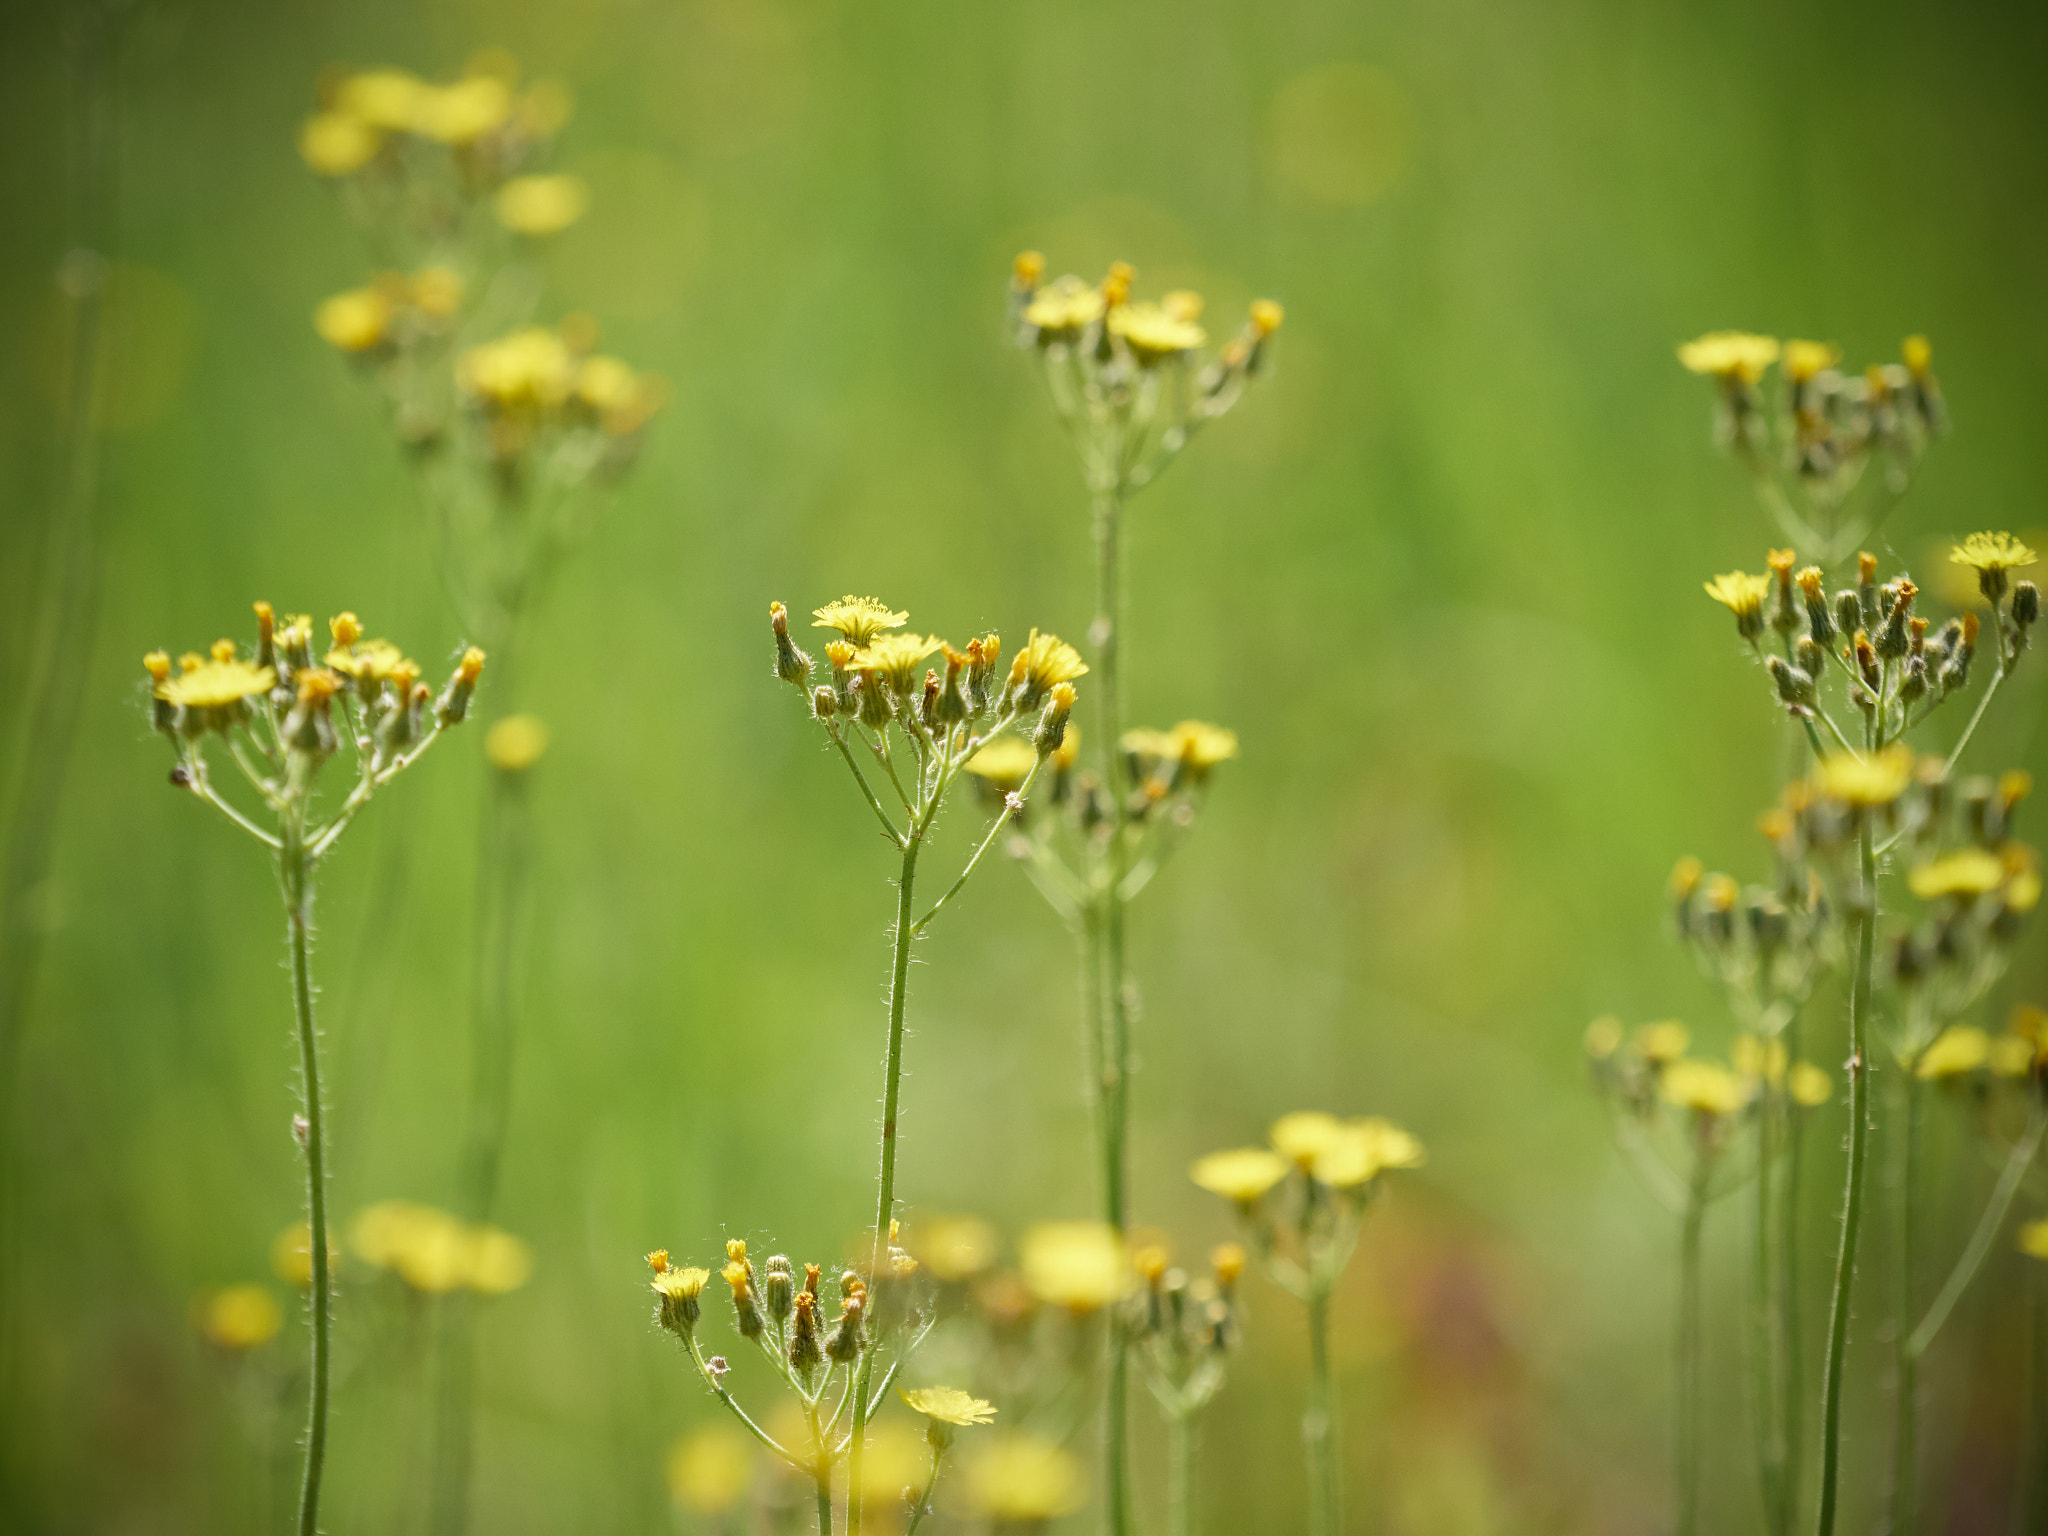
pixel 1131 382
pixel 279 716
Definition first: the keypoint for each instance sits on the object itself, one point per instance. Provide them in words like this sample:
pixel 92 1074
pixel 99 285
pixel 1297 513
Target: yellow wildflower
pixel 239 1317
pixel 1742 595
pixel 1705 1087
pixel 1804 359
pixel 1024 1481
pixel 338 143
pixel 1811 1086
pixel 1154 333
pixel 860 619
pixel 1917 354
pixel 1866 782
pixel 1730 355
pixel 1266 316
pixel 526 370
pixel 1201 746
pixel 1242 1175
pixel 1064 306
pixel 1966 872
pixel 1758 1058
pixel 463 112
pixel 499 1263
pixel 354 321
pixel 1079 1265
pixel 1960 1049
pixel 1005 761
pixel 955 1248
pixel 369 661
pixel 1049 660
pixel 216 684
pixel 1991 556
pixel 383 98
pixel 541 205
pixel 895 658
pixel 516 743
pixel 436 292
pixel 2034 1239
pixel 1662 1042
pixel 1302 1136
pixel 1362 1151
pixel 291 1254
pixel 708 1469
pixel 2023 892
pixel 948 1405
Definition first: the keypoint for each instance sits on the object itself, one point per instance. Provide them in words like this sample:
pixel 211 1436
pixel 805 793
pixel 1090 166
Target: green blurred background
pixel 1441 572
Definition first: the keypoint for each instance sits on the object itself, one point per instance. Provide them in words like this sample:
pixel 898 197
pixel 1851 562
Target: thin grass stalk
pixel 1906 1449
pixel 1689 1347
pixel 1792 1331
pixel 298 891
pixel 1852 1191
pixel 1319 1423
pixel 885 1194
pixel 1766 1318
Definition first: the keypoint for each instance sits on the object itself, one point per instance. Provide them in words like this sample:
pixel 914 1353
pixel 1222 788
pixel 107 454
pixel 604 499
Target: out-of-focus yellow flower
pixel 239 1317
pixel 1303 1136
pixel 1866 782
pixel 949 1405
pixel 1960 1049
pixel 1705 1087
pixel 622 398
pixel 541 205
pixel 1662 1042
pixel 709 1469
pixel 2011 1056
pixel 1079 1265
pixel 383 98
pixel 1966 872
pixel 354 321
pixel 1064 306
pixel 897 1458
pixel 1734 355
pixel 1022 1480
pixel 1602 1038
pixel 955 1248
pixel 1804 359
pixel 369 661
pixel 2034 1239
pixel 1154 333
pixel 1200 746
pixel 291 1254
pixel 437 292
pixel 1243 1175
pixel 435 1252
pixel 528 370
pixel 1005 761
pixel 338 143
pixel 516 743
pixel 1362 1151
pixel 499 1263
pixel 544 108
pixel 1811 1087
pixel 1757 1058
pixel 860 619
pixel 462 112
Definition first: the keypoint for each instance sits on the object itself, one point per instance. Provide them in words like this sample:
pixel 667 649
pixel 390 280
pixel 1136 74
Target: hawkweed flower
pixel 274 720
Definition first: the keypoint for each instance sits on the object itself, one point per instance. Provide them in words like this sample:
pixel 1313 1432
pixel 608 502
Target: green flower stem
pixel 2016 1166
pixel 298 893
pixel 1852 1192
pixel 1767 1320
pixel 1689 1349
pixel 1319 1423
pixel 821 1473
pixel 1792 1334
pixel 1905 1450
pixel 1983 704
pixel 1180 1472
pixel 924 1499
pixel 885 1196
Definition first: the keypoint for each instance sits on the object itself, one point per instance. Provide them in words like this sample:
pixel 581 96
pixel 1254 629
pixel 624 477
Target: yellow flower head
pixel 337 143
pixel 709 1469
pixel 956 1248
pixel 1064 306
pixel 2011 1056
pixel 499 1263
pixel 516 743
pixel 1005 761
pixel 1079 1265
pixel 895 658
pixel 239 1317
pixel 530 369
pixel 1028 269
pixel 1303 1136
pixel 1917 354
pixel 541 205
pixel 463 112
pixel 1966 872
pixel 1866 782
pixel 1049 660
pixel 1730 355
pixel 1804 359
pixel 1242 1175
pixel 216 684
pixel 1266 316
pixel 860 619
pixel 1991 556
pixel 1811 1087
pixel 1362 1151
pixel 369 661
pixel 355 321
pixel 1154 332
pixel 1662 1042
pixel 1202 746
pixel 948 1405
pixel 1704 1087
pixel 623 399
pixel 436 292
pixel 383 98
pixel 1602 1038
pixel 1742 595
pixel 1758 1058
pixel 1021 1480
pixel 1958 1050
pixel 291 1254
pixel 681 1283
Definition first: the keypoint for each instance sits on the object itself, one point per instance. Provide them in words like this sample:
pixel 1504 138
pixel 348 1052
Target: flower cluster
pixel 1132 380
pixel 1809 451
pixel 1187 1328
pixel 281 711
pixel 1651 1079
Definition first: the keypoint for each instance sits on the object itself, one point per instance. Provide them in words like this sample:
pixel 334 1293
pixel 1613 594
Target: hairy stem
pixel 1852 1191
pixel 2016 1165
pixel 1792 1332
pixel 1905 1449
pixel 298 890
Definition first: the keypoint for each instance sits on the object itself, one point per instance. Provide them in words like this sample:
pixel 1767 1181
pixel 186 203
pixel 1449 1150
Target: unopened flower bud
pixel 791 664
pixel 346 628
pixel 1052 723
pixel 843 1344
pixel 454 706
pixel 677 1306
pixel 1892 640
pixel 1810 657
pixel 824 702
pixel 1819 622
pixel 1794 685
pixel 266 635
pixel 1866 590
pixel 309 728
pixel 1913 685
pixel 2026 604
pixel 778 1286
pixel 804 1353
pixel 1785 609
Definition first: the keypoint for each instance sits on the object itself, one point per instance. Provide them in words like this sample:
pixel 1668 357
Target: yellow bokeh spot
pixel 1339 134
pixel 516 743
pixel 709 1469
pixel 240 1317
pixel 541 205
